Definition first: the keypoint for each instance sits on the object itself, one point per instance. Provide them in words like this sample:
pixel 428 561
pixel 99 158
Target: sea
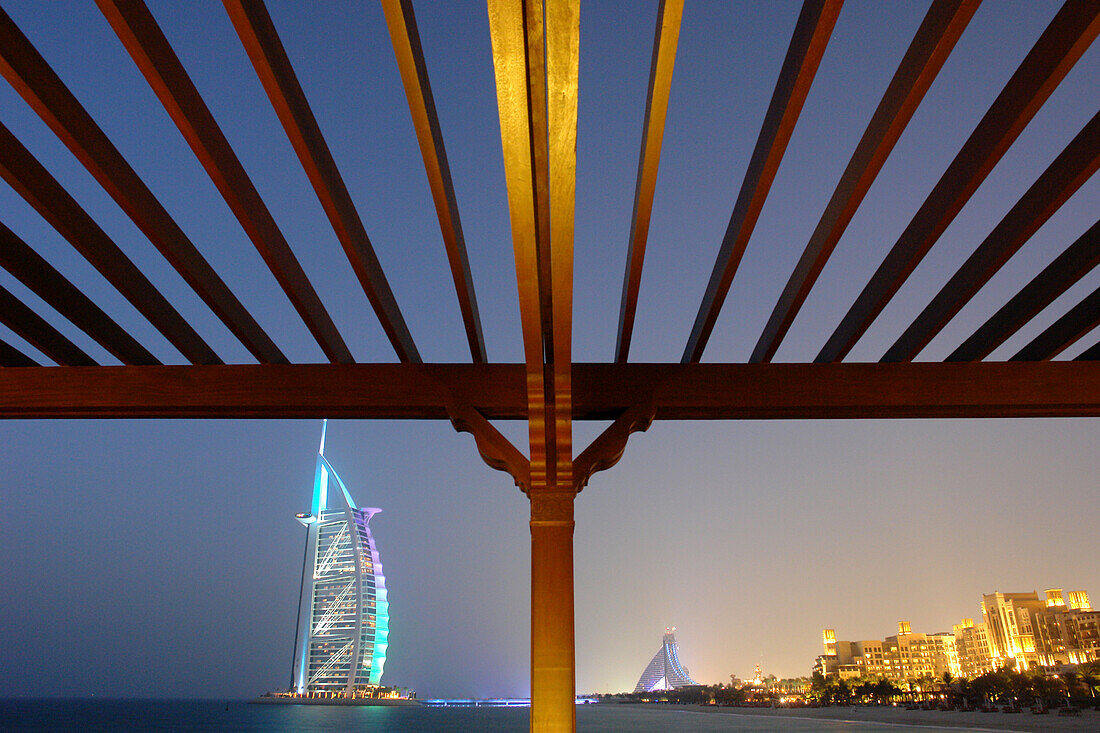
pixel 115 716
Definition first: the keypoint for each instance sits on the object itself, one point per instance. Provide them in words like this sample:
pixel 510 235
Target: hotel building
pixel 908 656
pixel 1017 629
pixel 343 614
pixel 664 671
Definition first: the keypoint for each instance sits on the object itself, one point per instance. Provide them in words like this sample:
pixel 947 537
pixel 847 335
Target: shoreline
pixel 337 701
pixel 1024 722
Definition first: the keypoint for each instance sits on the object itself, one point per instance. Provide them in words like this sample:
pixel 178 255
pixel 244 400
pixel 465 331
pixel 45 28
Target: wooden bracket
pixel 606 450
pixel 495 449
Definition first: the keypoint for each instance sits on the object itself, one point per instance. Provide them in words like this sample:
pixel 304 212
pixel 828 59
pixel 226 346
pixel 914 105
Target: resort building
pixel 343 614
pixel 1017 629
pixel 972 646
pixel 906 657
pixel 1042 632
pixel 664 671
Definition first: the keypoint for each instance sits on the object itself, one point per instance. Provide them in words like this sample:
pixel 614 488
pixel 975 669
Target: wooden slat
pixel 13 357
pixel 38 275
pixel 600 391
pixel 40 87
pixel 261 41
pixel 414 75
pixel 1063 333
pixel 1067 37
pixel 1062 178
pixel 562 79
pixel 510 53
pixel 1056 278
pixel 156 60
pixel 40 334
pixel 34 183
pixel 932 44
pixel 669 15
pixel 811 35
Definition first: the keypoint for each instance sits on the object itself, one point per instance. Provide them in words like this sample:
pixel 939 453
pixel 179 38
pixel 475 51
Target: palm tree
pixel 1089 674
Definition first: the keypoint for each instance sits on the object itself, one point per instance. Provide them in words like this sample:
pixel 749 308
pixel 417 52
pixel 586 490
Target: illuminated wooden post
pixel 536 61
pixel 553 659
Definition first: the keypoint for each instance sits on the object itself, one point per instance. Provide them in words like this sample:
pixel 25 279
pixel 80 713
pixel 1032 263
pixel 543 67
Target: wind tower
pixel 343 614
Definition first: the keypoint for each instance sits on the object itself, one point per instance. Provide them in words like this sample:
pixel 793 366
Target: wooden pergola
pixel 535 55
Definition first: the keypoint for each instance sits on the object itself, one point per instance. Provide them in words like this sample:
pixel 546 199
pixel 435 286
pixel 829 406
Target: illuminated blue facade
pixel 343 613
pixel 664 671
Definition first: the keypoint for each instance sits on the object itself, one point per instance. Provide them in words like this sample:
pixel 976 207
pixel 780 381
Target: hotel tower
pixel 343 616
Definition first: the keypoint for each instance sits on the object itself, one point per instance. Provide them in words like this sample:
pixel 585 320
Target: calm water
pixel 200 715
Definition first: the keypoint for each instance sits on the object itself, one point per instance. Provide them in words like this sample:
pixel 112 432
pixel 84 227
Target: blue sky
pixel 160 557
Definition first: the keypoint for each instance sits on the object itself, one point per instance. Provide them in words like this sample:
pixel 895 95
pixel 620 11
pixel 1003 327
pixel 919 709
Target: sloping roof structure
pixel 45 373
pixel 664 671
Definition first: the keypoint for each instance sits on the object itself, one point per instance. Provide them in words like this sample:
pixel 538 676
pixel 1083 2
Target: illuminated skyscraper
pixel 343 615
pixel 664 671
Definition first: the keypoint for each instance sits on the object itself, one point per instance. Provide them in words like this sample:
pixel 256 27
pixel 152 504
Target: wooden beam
pixel 38 333
pixel 509 35
pixel 401 391
pixel 669 15
pixel 150 50
pixel 261 41
pixel 932 44
pixel 1069 171
pixel 536 64
pixel 1063 333
pixel 13 357
pixel 600 391
pixel 42 191
pixel 811 36
pixel 839 391
pixel 1056 278
pixel 39 276
pixel 1067 37
pixel 40 87
pixel 562 81
pixel 414 75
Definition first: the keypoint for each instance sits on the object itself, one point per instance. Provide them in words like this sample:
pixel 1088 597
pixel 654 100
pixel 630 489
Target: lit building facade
pixel 1042 632
pixel 906 657
pixel 343 612
pixel 1022 630
pixel 664 671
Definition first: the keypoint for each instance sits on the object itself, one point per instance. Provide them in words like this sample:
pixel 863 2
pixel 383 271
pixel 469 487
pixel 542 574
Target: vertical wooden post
pixel 553 658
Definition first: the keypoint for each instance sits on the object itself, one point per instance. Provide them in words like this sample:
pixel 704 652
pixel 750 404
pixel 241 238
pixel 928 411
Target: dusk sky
pixel 161 558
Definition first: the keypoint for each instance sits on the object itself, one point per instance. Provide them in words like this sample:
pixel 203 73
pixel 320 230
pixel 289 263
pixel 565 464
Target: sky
pixel 161 558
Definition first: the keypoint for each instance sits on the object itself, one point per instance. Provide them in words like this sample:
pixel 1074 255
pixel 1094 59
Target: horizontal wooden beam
pixel 600 391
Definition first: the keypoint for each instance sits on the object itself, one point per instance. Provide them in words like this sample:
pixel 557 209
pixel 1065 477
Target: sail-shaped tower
pixel 664 671
pixel 343 614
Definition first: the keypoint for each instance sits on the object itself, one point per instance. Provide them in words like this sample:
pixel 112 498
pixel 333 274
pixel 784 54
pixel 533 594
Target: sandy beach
pixel 1088 720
